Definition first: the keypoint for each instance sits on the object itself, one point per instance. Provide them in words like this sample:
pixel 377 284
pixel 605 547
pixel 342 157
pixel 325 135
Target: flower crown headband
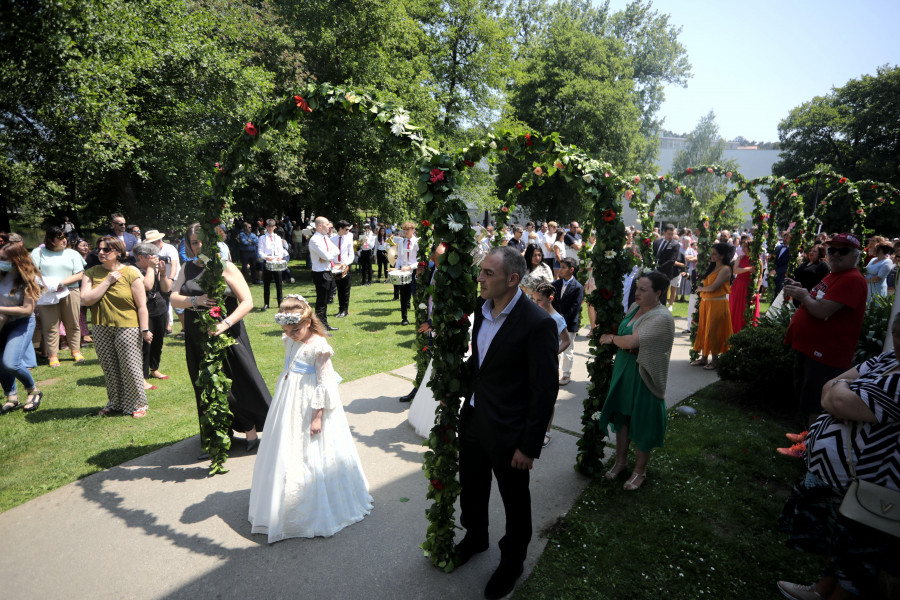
pixel 291 318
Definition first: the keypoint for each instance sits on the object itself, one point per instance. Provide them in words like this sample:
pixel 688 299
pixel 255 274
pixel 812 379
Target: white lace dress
pixel 307 486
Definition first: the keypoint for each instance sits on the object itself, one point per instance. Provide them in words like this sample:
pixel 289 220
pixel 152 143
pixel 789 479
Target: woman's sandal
pixel 78 356
pixel 54 361
pixel 104 412
pixel 712 366
pixel 632 484
pixel 138 414
pixel 33 402
pixel 700 362
pixel 613 474
pixel 10 405
pixel 547 439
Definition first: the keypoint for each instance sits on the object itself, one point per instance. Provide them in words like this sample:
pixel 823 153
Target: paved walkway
pixel 158 527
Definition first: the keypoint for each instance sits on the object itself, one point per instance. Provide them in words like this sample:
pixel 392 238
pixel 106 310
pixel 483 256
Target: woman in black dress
pixel 249 397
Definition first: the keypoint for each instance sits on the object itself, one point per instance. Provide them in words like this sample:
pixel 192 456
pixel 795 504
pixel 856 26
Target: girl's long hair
pixel 295 305
pixel 726 251
pixel 29 276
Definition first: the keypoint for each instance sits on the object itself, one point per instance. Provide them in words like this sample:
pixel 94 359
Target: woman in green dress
pixel 635 405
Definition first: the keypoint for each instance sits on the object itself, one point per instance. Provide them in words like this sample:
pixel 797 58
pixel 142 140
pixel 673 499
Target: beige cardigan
pixel 656 334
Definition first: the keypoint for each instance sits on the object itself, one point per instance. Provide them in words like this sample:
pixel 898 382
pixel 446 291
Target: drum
pixel 276 265
pixel 400 277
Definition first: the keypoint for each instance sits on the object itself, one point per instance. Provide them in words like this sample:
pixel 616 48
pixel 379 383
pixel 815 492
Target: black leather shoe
pixel 468 548
pixel 330 327
pixel 265 307
pixel 409 396
pixel 341 314
pixel 503 580
pixel 404 322
pixel 252 444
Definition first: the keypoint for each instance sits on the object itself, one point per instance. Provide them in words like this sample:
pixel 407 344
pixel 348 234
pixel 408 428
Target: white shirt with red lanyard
pixel 322 252
pixel 270 244
pixel 344 245
pixel 407 253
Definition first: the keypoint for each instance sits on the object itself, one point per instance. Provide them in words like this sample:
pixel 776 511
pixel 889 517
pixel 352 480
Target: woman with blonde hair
pixel 19 290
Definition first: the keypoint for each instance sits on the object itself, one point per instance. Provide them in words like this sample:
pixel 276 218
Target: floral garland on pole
pixel 216 417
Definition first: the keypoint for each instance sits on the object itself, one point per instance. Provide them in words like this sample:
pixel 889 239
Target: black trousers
pixel 406 292
pixel 324 283
pixel 343 292
pixel 365 265
pixel 248 264
pixel 268 277
pixel 478 460
pixel 381 257
pixel 153 351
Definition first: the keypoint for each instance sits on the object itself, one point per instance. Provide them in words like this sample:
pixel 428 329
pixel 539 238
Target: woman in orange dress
pixel 714 327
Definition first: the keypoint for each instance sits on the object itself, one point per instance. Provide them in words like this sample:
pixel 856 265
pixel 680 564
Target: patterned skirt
pixel 856 553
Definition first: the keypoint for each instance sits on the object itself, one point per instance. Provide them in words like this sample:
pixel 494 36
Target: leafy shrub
pixel 758 356
pixel 874 329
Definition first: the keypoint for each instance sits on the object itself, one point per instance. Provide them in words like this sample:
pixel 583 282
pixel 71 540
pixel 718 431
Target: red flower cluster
pixel 528 140
pixel 609 215
pixel 506 208
pixel 464 320
pixel 689 171
pixel 874 187
pixel 629 194
pixel 606 294
pixel 250 129
pixel 860 211
pixel 561 166
pixel 426 223
pixel 469 163
pixel 425 349
pixel 647 241
pixel 519 185
pixel 636 180
pixel 219 168
pixel 652 214
pixel 709 169
pixel 436 175
pixel 302 105
pixel 505 149
pixel 842 180
pixel 436 484
pixel 215 312
pixel 215 221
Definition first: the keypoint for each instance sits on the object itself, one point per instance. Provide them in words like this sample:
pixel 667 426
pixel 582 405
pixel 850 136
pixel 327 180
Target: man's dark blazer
pixel 666 257
pixel 782 259
pixel 569 306
pixel 516 385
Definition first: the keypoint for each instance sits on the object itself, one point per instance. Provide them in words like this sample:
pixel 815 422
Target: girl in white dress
pixel 307 480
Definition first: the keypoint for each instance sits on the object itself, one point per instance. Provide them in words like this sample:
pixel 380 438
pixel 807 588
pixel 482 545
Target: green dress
pixel 630 403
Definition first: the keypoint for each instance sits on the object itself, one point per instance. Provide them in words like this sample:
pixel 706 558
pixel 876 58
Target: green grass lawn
pixel 64 440
pixel 703 525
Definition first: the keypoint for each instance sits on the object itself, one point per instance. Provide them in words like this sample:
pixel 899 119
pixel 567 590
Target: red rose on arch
pixel 302 105
pixel 436 175
pixel 652 214
pixel 647 241
pixel 505 149
pixel 519 185
pixel 860 211
pixel 874 187
pixel 426 223
pixel 250 129
pixel 609 215
pixel 629 194
pixel 215 312
pixel 528 140
pixel 469 163
pixel 842 180
pixel 657 197
pixel 215 221
pixel 504 209
pixel 437 484
pixel 606 293
pixel 636 179
pixel 689 171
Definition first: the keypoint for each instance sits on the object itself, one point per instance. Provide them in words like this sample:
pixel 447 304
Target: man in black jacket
pixel 567 302
pixel 667 250
pixel 502 423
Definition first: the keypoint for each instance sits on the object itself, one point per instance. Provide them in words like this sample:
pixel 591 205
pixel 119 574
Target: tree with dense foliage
pixel 597 78
pixel 854 131
pixel 705 147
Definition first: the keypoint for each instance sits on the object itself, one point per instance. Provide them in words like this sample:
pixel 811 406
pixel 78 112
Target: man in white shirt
pixel 407 259
pixel 366 252
pixel 270 248
pixel 322 254
pixel 343 239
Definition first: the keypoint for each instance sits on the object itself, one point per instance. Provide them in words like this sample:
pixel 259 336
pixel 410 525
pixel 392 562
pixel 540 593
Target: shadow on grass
pixel 51 414
pixel 116 456
pixel 97 380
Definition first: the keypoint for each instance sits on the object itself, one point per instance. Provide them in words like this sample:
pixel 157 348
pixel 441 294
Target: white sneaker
pixel 564 380
pixel 671 307
pixel 796 591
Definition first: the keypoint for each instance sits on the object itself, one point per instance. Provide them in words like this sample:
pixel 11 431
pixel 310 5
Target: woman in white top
pixel 559 252
pixel 62 268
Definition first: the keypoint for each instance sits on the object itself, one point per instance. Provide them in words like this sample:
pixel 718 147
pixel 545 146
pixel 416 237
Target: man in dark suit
pixel 781 260
pixel 502 423
pixel 116 229
pixel 567 302
pixel 667 250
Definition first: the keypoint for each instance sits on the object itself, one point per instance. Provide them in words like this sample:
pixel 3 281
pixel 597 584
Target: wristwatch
pixel 145 331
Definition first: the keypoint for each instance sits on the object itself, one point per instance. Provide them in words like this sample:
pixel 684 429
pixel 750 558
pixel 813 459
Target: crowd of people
pixel 135 286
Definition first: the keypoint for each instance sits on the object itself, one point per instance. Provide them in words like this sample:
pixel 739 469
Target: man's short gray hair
pixel 513 261
pixel 145 249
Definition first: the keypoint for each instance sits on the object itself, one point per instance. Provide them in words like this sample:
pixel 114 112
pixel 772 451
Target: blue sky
pixel 753 61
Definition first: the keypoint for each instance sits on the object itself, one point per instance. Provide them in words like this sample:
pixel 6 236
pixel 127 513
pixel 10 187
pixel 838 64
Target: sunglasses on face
pixel 840 251
pixel 60 237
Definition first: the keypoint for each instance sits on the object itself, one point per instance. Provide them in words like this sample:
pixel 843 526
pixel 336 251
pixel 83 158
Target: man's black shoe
pixel 265 307
pixel 409 396
pixel 466 549
pixel 503 580
pixel 404 322
pixel 330 327
pixel 341 314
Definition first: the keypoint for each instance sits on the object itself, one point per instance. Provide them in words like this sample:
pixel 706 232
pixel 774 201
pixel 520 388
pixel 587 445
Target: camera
pixel 164 259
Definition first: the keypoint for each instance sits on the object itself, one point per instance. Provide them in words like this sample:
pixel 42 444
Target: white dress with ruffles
pixel 303 485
